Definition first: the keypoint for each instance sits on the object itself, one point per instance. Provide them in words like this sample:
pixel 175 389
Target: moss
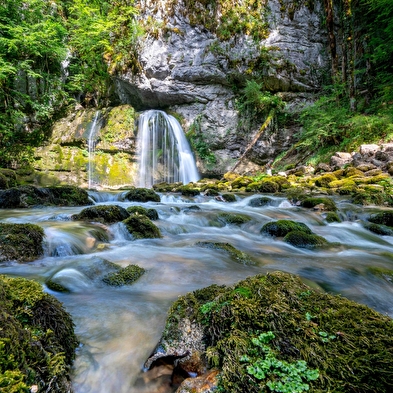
pixel 260 201
pixel 241 181
pixel 21 242
pixel 384 218
pixel 37 340
pixel 267 186
pixel 352 171
pixel 211 192
pixel 68 196
pixel 125 276
pixel 229 197
pixel 231 218
pixel 141 227
pixel 281 228
pixel 304 240
pixel 371 196
pixel 142 195
pixel 381 272
pixel 234 253
pixel 379 229
pixel 325 180
pixel 10 176
pixel 3 182
pixel 107 214
pixel 167 187
pixel 314 201
pixel 54 286
pixel 188 190
pixel 150 213
pixel 332 217
pixel 349 344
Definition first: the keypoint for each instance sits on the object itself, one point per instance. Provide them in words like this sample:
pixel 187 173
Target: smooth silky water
pixel 119 327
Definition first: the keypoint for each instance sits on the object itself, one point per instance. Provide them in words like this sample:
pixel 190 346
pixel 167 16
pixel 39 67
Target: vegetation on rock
pixel 274 333
pixel 234 253
pixel 281 228
pixel 37 340
pixel 141 227
pixel 142 195
pixel 232 218
pixel 124 276
pixel 149 213
pixel 304 240
pixel 107 214
pixel 21 242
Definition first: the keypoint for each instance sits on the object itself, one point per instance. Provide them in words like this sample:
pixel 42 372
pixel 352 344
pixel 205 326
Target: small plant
pixel 261 363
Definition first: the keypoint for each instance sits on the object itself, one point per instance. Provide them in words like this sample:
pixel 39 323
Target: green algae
pixel 349 344
pixel 124 276
pixel 281 228
pixel 234 253
pixel 107 214
pixel 37 340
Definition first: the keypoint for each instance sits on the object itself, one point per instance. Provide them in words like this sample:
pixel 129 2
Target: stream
pixel 118 327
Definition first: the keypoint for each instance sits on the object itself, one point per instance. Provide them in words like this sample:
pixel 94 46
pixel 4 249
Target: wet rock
pixel 124 276
pixel 234 253
pixel 150 213
pixel 321 202
pixel 301 239
pixel 332 217
pixel 260 201
pixel 281 228
pixel 384 218
pixel 229 197
pixel 232 218
pixel 3 182
pixel 142 195
pixel 141 227
pixel 108 214
pixel 20 242
pixel 379 229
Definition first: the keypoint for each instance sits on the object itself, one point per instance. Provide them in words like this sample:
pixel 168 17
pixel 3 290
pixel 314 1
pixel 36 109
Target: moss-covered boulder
pixel 312 202
pixel 379 229
pixel 189 190
pixel 325 180
pixel 10 176
pixel 384 218
pixel 142 195
pixel 241 181
pixel 281 228
pixel 234 253
pixel 331 217
pixel 139 210
pixel 260 201
pixel 265 186
pixel 232 218
pixel 141 227
pixel 37 340
pixel 167 187
pixel 211 192
pixel 229 197
pixel 20 242
pixel 273 333
pixel 124 276
pixel 3 182
pixel 107 214
pixel 29 196
pixel 304 240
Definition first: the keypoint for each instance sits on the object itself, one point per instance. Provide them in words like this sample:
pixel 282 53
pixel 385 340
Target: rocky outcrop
pixel 109 161
pixel 190 64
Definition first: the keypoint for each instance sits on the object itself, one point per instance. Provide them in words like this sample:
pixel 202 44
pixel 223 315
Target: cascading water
pixel 164 153
pixel 92 141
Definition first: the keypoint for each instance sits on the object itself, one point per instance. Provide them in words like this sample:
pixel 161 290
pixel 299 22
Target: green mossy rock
pixel 293 333
pixel 167 187
pixel 211 192
pixel 379 229
pixel 3 182
pixel 241 181
pixel 232 218
pixel 20 242
pixel 107 214
pixel 372 196
pixel 384 218
pixel 188 190
pixel 234 253
pixel 124 276
pixel 229 197
pixel 37 340
pixel 265 186
pixel 304 240
pixel 281 228
pixel 139 210
pixel 10 176
pixel 314 201
pixel 382 272
pixel 29 196
pixel 142 195
pixel 260 201
pixel 332 217
pixel 325 180
pixel 141 227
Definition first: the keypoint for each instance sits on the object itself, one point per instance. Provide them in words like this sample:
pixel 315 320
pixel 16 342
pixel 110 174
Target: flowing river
pixel 118 327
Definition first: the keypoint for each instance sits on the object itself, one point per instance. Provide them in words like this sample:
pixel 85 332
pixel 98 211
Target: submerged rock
pixel 260 201
pixel 141 227
pixel 124 276
pixel 142 195
pixel 37 339
pixel 304 240
pixel 274 331
pixel 20 242
pixel 108 214
pixel 234 253
pixel 232 218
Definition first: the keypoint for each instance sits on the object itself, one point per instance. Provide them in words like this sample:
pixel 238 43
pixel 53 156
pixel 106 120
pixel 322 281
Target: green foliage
pixel 283 376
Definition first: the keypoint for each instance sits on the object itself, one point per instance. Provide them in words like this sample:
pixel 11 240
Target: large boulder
pixel 107 214
pixel 274 333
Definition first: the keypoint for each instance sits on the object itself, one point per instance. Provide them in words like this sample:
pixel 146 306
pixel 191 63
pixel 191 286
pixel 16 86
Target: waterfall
pixel 92 141
pixel 164 153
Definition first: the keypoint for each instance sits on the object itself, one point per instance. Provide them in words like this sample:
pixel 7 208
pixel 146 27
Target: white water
pixel 92 141
pixel 164 153
pixel 119 327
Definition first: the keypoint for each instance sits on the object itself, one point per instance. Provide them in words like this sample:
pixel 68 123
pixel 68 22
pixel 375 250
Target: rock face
pixel 190 68
pixel 110 159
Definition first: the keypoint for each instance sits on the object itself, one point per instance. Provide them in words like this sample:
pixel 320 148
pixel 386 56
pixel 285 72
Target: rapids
pixel 119 327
